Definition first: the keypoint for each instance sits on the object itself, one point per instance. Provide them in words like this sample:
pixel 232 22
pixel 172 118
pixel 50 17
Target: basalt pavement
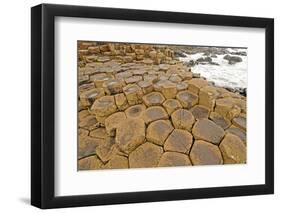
pixel 140 107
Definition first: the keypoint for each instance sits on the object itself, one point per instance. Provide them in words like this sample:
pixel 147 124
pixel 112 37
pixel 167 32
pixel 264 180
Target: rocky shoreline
pixel 139 106
pixel 208 54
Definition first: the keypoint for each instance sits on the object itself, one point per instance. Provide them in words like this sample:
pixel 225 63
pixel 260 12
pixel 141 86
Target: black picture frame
pixel 43 102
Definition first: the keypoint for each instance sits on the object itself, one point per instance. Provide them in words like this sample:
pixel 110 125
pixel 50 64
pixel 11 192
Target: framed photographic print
pixel 139 106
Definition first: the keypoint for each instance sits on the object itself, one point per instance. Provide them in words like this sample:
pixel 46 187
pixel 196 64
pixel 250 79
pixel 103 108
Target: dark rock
pixel 232 59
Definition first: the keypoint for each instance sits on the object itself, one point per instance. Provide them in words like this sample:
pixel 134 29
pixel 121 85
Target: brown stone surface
pixel 135 111
pixel 145 156
pixel 104 106
pixel 169 90
pixel 87 146
pixel 183 119
pixel 121 101
pixel 174 159
pixel 205 153
pixel 207 96
pixel 113 86
pixel 220 120
pixel 207 130
pixel 187 99
pixel 196 84
pixel 238 132
pixel 146 86
pixel 83 132
pixel 233 149
pixel 130 133
pixel 172 105
pixel 107 149
pixel 153 99
pixel 117 162
pixel 200 111
pixel 88 97
pixel 139 104
pixel 158 131
pixel 240 122
pixel 179 141
pixel 88 163
pixel 98 133
pixel 89 122
pixel 113 121
pixel 154 113
pixel 133 94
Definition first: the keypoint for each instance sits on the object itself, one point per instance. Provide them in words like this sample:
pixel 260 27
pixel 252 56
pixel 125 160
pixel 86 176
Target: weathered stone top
pixel 141 107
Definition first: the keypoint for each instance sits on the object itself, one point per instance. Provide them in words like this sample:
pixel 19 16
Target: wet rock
pixel 169 159
pixel 133 94
pixel 104 106
pixel 172 105
pixel 204 60
pixel 145 156
pixel 87 146
pixel 196 84
pixel 232 59
pixel 196 75
pixel 153 99
pixel 113 121
pixel 205 153
pixel 220 120
pixel 121 101
pixel 98 133
pixel 117 162
pixel 182 119
pixel 187 99
pixel 179 141
pixel 88 97
pixel 135 111
pixel 233 149
pixel 158 131
pixel 130 133
pixel 200 111
pixel 207 130
pixel 207 96
pixel 240 122
pixel 89 163
pixel 154 113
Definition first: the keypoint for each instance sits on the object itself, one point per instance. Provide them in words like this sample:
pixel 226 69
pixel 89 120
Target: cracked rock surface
pixel 140 107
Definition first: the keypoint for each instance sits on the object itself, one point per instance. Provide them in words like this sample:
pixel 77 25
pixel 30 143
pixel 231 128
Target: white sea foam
pixel 224 74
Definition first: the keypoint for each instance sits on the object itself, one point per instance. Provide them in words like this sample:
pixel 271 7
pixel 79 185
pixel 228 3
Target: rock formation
pixel 139 106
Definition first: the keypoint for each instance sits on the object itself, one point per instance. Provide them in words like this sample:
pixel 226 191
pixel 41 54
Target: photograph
pixel 160 105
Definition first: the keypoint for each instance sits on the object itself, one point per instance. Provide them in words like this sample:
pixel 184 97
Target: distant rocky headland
pixel 141 106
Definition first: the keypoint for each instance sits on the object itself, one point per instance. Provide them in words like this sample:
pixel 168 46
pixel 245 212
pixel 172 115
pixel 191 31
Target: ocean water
pixel 224 74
